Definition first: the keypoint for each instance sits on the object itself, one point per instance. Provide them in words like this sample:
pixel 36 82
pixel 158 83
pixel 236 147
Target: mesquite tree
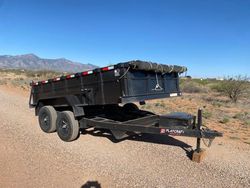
pixel 235 87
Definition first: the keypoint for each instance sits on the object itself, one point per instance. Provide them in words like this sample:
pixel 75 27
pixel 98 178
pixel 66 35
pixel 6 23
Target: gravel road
pixel 31 158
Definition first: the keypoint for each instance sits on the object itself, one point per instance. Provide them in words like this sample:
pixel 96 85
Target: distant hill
pixel 33 62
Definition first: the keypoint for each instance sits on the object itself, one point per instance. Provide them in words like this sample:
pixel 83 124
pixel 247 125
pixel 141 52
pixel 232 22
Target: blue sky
pixel 210 37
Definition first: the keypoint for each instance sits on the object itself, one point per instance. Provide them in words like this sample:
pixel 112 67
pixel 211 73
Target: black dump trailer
pixel 103 99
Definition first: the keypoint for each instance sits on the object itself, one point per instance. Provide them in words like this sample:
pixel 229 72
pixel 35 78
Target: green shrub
pixel 191 87
pixel 247 123
pixel 207 114
pixel 3 82
pixel 234 138
pixel 160 104
pixel 244 116
pixel 43 74
pixel 216 103
pixel 238 116
pixel 218 87
pixel 232 87
pixel 203 82
pixel 146 106
pixel 224 120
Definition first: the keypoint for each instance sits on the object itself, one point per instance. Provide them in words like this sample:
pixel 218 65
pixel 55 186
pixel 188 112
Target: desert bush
pixel 207 114
pixel 31 74
pixel 15 71
pixel 224 120
pixel 160 104
pixel 216 103
pixel 146 106
pixel 244 116
pixel 234 138
pixel 3 82
pixel 201 81
pixel 19 82
pixel 233 87
pixel 43 74
pixel 190 86
pixel 241 116
pixel 247 123
pixel 217 87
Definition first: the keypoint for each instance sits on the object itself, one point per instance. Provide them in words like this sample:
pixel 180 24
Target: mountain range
pixel 33 62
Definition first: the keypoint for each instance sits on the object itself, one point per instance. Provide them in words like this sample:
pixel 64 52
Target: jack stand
pixel 198 154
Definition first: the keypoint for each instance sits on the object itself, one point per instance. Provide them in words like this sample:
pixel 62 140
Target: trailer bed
pixel 121 83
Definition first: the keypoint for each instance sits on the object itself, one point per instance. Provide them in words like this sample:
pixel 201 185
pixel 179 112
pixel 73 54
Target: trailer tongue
pixel 93 99
pixel 155 124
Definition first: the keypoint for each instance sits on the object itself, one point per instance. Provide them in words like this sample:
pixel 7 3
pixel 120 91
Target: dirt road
pixel 31 158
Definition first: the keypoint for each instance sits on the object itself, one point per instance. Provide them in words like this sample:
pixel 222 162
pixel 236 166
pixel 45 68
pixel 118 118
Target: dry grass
pixel 22 78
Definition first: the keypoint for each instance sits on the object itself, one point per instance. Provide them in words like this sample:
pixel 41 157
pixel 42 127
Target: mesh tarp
pixel 149 66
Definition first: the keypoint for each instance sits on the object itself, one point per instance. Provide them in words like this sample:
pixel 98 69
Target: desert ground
pixel 31 158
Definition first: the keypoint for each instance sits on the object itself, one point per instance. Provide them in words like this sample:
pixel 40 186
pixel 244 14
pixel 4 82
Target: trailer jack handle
pixel 198 153
pixel 199 124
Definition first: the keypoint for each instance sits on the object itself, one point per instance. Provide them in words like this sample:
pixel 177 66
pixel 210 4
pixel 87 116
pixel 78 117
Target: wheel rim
pixel 45 121
pixel 64 127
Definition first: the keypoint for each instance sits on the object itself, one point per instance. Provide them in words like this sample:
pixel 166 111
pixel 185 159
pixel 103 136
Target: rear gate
pixel 149 85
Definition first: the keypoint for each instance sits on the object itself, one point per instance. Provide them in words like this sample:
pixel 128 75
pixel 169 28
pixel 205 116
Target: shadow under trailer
pixel 103 99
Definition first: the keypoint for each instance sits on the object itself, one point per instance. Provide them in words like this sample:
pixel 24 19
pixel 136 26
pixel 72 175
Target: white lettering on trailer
pixel 171 131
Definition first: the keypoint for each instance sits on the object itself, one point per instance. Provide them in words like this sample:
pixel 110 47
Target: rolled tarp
pixel 155 67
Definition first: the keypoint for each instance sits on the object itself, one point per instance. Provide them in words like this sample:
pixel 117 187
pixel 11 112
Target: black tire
pixel 130 107
pixel 67 127
pixel 47 119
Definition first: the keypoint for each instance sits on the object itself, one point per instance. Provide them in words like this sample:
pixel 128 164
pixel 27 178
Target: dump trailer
pixel 104 98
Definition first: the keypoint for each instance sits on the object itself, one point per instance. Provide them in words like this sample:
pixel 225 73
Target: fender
pixel 69 100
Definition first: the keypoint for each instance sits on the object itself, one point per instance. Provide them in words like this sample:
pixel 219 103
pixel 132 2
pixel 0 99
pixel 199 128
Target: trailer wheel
pixel 67 127
pixel 130 107
pixel 47 119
